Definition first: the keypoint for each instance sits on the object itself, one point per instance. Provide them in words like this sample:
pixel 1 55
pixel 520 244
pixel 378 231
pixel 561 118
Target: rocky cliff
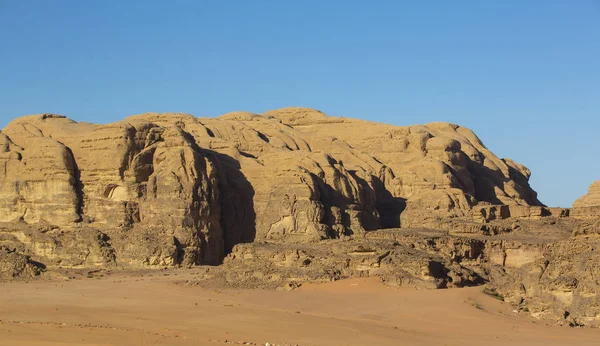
pixel 175 189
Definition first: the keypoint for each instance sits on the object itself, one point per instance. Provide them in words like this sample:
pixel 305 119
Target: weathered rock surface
pixel 412 260
pixel 15 266
pixel 171 189
pixel 588 206
pixel 555 280
pixel 592 199
pixel 116 177
pixel 83 247
pixel 439 169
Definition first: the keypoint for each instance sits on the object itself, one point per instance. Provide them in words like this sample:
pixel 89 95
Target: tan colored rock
pixel 304 189
pixel 591 199
pixel 119 176
pixel 171 189
pixel 422 158
pixel 75 248
pixel 586 212
pixel 555 281
pixel 15 266
pixel 588 206
pixel 38 177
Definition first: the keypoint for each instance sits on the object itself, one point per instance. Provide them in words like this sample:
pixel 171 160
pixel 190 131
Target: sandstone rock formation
pixel 592 199
pixel 171 188
pixel 588 206
pixel 290 196
pixel 553 280
pixel 112 177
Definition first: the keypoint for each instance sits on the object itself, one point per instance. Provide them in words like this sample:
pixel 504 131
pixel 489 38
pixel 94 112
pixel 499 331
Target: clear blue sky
pixel 523 74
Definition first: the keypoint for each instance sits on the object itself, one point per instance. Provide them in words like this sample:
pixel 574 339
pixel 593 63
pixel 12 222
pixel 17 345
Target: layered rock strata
pixel 176 189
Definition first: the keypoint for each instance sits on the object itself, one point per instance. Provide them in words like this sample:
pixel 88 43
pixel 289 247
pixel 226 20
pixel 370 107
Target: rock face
pixel 592 199
pixel 554 280
pixel 170 189
pixel 114 177
pixel 588 206
pixel 438 169
pixel 38 183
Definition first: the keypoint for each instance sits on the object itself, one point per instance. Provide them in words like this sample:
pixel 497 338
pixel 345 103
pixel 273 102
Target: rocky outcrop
pixel 173 189
pixel 16 266
pixel 426 172
pixel 411 260
pixel 83 247
pixel 592 199
pixel 438 170
pixel 555 281
pixel 125 178
pixel 37 178
pixel 588 206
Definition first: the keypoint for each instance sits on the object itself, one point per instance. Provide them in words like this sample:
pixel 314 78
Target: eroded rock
pixel 591 199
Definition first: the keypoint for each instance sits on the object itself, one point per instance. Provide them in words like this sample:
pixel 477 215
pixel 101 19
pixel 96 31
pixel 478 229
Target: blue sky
pixel 524 75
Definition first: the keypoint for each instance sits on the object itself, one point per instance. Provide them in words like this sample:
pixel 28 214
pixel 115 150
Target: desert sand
pixel 153 308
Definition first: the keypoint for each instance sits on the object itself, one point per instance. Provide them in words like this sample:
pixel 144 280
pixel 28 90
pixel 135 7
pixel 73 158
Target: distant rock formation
pixel 592 199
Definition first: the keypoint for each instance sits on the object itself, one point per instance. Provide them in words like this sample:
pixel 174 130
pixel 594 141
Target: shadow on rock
pixel 238 217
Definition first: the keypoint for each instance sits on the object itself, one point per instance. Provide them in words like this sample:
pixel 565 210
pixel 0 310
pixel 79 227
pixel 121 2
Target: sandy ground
pixel 151 309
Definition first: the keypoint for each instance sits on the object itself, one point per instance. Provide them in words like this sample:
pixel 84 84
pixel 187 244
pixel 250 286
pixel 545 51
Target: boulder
pixel 16 266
